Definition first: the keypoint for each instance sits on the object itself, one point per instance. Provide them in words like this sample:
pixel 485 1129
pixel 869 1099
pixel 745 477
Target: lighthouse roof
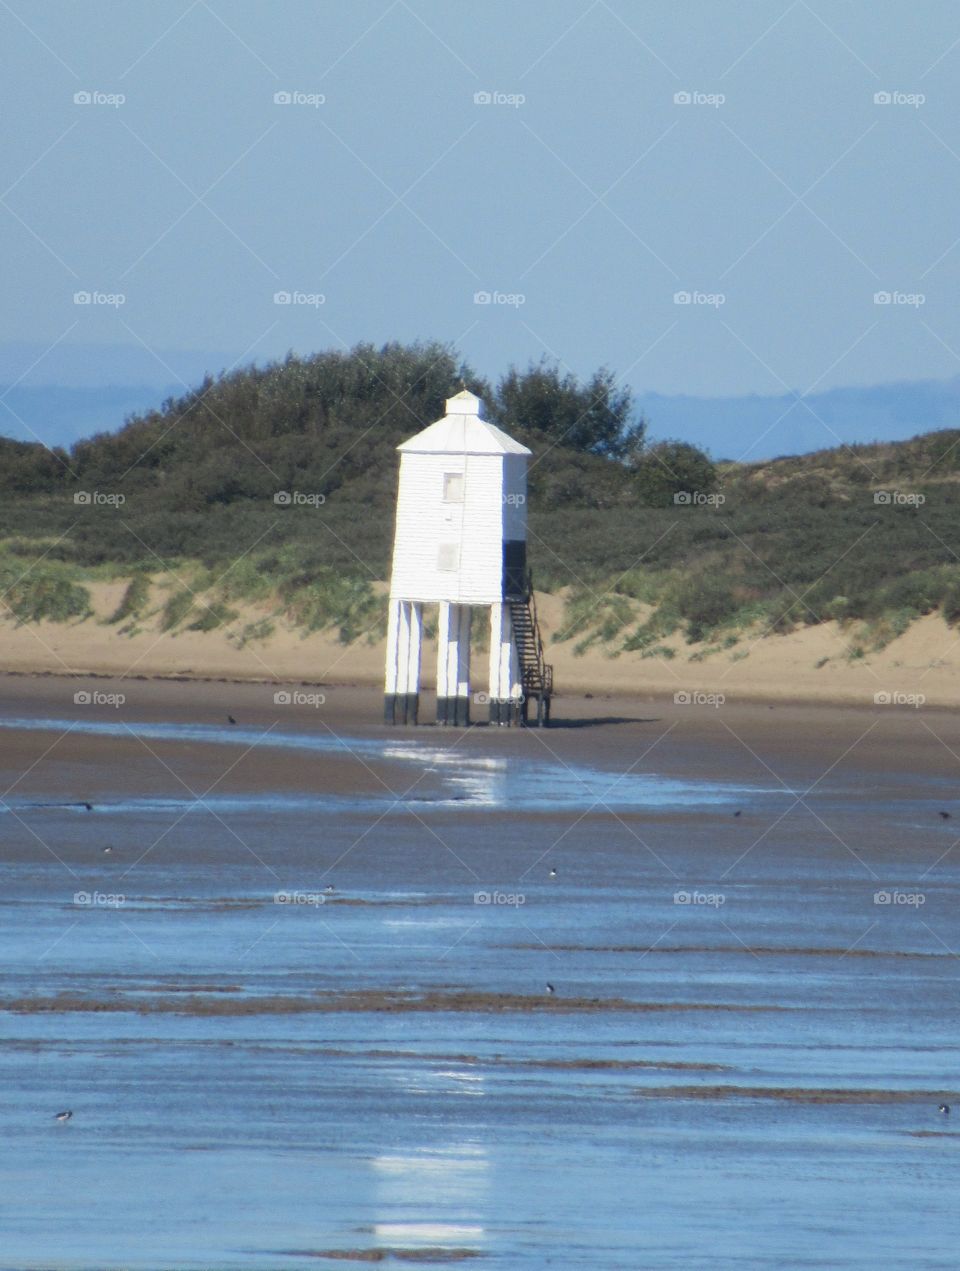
pixel 463 431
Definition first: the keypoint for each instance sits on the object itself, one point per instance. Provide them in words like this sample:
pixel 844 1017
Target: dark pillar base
pixel 506 713
pixel 453 710
pixel 401 708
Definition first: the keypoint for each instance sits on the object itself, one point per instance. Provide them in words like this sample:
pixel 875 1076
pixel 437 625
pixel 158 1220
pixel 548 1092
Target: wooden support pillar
pixel 506 690
pixel 453 664
pixel 404 641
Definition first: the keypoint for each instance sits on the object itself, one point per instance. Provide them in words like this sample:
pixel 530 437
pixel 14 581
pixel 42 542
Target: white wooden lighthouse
pixel 460 543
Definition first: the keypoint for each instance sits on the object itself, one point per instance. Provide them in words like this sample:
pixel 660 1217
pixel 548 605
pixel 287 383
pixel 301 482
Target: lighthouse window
pixel 448 556
pixel 453 487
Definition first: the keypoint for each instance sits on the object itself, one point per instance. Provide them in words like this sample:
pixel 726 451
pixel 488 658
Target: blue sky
pixel 620 155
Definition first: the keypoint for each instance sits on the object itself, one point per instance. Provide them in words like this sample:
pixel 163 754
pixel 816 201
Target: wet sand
pixel 740 739
pixel 372 1001
pixel 343 993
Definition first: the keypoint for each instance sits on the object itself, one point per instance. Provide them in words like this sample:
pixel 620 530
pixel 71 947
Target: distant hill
pixel 58 394
pixel 753 428
pixel 648 545
pixel 76 389
pixel 746 428
pixel 61 416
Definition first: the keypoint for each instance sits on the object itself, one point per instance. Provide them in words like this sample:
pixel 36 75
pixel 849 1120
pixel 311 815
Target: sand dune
pixel 810 664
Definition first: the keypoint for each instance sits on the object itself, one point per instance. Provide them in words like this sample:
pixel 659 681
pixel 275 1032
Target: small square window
pixel 448 556
pixel 453 487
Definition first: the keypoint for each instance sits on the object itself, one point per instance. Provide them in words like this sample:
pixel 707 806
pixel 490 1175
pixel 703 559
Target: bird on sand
pixel 944 816
pixel 63 1116
pixel 738 811
pixel 329 889
pixel 108 849
pixel 551 989
pixel 944 1108
pixel 88 806
pixel 231 720
pixel 553 873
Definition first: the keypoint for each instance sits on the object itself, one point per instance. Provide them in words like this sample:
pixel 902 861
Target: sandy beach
pixel 811 664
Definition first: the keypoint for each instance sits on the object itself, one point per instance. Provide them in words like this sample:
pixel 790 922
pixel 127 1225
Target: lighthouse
pixel 461 544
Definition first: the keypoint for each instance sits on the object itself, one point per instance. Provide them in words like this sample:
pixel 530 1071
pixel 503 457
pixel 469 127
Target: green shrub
pixel 950 606
pixel 578 613
pixel 252 632
pixel 247 579
pixel 893 625
pixel 921 591
pixel 642 585
pixel 212 616
pixel 42 591
pixel 133 600
pixel 670 468
pixel 837 609
pixel 176 609
pixel 328 599
pixel 706 601
pixel 660 651
pixel 663 622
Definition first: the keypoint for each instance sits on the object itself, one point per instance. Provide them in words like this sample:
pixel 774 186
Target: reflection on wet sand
pixel 428 1198
pixel 458 780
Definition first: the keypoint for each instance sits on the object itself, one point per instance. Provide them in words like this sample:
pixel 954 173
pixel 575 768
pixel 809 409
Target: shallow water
pixel 739 1066
pixel 485 782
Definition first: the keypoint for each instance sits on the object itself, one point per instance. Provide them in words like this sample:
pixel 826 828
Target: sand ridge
pixel 816 663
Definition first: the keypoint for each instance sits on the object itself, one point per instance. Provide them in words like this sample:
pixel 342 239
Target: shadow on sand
pixel 598 721
pixel 595 721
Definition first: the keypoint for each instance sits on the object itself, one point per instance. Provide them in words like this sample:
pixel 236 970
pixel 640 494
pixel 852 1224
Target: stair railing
pixel 545 670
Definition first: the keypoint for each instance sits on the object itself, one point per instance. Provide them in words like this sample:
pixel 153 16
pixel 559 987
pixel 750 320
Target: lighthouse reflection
pixel 478 779
pixel 432 1198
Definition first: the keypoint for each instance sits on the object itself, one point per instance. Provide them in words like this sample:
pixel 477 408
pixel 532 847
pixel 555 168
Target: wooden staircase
pixel 536 675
